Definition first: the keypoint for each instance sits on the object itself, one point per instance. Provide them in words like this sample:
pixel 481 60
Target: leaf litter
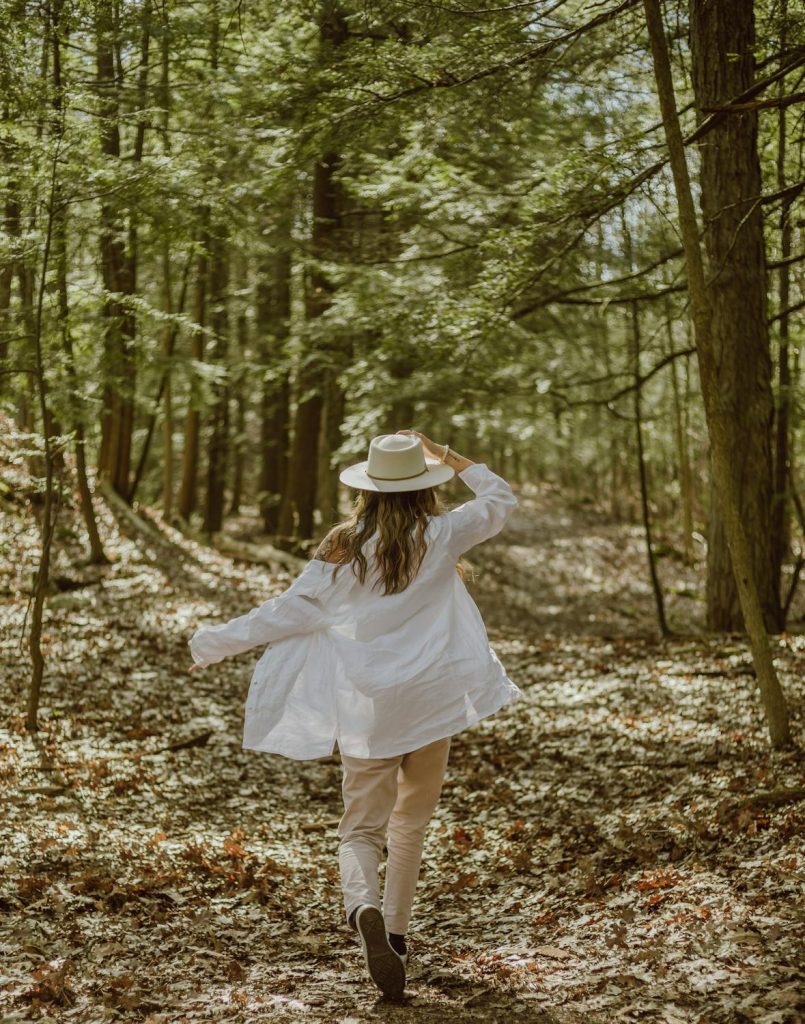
pixel 621 845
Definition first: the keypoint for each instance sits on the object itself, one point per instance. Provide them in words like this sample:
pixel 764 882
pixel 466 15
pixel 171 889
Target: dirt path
pixel 596 855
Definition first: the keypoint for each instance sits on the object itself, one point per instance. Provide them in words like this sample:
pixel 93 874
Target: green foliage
pixel 489 161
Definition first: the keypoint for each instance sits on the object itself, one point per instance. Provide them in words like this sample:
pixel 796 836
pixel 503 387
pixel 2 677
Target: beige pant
pixel 388 801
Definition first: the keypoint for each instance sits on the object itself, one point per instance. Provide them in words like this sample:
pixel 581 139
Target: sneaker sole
pixel 386 969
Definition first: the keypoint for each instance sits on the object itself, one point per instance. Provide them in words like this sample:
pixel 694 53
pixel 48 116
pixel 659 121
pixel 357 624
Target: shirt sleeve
pixel 482 516
pixel 302 608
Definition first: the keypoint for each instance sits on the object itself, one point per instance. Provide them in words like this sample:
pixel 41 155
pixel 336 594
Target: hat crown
pixel 395 457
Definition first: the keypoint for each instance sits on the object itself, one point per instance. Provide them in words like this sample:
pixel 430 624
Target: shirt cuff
pixel 197 659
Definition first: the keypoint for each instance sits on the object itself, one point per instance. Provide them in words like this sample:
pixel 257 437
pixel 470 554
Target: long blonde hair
pixel 400 519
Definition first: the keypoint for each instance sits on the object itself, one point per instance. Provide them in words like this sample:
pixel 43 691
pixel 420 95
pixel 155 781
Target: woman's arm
pixel 299 609
pixel 482 517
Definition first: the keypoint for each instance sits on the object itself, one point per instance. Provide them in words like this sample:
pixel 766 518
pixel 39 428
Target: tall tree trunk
pixel 273 309
pixel 722 47
pixel 11 220
pixel 682 444
pixel 170 334
pixel 637 406
pixel 780 519
pixel 192 431
pixel 59 220
pixel 118 269
pixel 218 450
pixel 329 441
pixel 240 442
pixel 716 409
pixel 314 378
pixel 299 500
pixel 48 513
pixel 168 344
pixel 645 510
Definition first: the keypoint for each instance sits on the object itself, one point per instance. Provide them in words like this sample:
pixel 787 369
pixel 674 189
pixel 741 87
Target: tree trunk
pixel 11 221
pixel 48 514
pixel 682 445
pixel 299 502
pixel 168 344
pixel 401 411
pixel 656 586
pixel 716 408
pixel 314 379
pixel 330 441
pixel 722 48
pixel 118 269
pixel 170 334
pixel 59 219
pixel 218 449
pixel 273 308
pixel 192 431
pixel 240 445
pixel 780 518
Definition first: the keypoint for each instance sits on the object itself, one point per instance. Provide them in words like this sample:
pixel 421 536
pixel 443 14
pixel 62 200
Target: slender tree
pixel 716 409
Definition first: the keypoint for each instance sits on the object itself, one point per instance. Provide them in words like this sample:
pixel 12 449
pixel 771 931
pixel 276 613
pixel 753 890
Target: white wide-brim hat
pixel 396 463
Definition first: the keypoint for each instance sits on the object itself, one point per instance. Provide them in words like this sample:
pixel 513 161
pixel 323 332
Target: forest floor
pixel 620 845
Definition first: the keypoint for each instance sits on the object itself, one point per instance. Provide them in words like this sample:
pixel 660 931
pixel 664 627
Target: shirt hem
pixel 509 693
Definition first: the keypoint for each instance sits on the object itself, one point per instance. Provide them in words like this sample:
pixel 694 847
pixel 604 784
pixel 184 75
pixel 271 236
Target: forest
pixel 241 238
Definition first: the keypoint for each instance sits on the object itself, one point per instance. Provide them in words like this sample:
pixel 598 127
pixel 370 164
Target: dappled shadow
pixel 601 849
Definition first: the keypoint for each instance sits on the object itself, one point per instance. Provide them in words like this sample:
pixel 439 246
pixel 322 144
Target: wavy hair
pixel 400 520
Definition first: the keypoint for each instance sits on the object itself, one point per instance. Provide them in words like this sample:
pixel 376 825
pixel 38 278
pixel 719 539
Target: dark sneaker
pixel 386 968
pixel 397 943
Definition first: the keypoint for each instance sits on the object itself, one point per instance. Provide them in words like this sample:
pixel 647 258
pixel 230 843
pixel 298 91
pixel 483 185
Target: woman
pixel 377 646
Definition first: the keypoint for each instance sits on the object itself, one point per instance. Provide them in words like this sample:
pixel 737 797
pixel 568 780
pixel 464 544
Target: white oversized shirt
pixel 378 674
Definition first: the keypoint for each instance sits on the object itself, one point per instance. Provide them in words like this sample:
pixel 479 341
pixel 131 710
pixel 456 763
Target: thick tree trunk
pixel 314 378
pixel 299 500
pixel 716 408
pixel 722 45
pixel 118 269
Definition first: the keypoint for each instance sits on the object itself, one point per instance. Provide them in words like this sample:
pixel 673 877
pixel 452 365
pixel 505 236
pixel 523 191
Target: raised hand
pixel 431 448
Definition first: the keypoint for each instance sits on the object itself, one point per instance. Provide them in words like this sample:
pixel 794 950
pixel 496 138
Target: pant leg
pixel 369 788
pixel 419 784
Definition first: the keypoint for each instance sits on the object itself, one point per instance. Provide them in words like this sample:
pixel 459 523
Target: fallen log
pixel 256 554
pixel 137 525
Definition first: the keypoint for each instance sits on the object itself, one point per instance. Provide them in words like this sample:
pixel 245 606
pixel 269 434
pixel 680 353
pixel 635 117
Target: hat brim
pixel 356 476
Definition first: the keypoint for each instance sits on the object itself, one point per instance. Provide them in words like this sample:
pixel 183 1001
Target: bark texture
pixel 722 44
pixel 296 514
pixel 119 277
pixel 719 424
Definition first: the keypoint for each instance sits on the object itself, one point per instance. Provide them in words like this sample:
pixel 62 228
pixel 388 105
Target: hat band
pixel 411 477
